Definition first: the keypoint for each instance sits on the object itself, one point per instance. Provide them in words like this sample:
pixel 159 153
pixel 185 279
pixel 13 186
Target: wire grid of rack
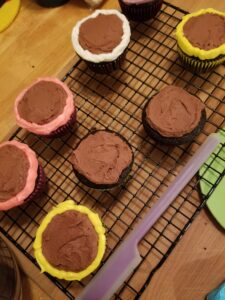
pixel 115 102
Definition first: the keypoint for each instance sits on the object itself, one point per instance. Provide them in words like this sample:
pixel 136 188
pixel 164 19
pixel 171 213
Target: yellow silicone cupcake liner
pixel 187 47
pixel 100 230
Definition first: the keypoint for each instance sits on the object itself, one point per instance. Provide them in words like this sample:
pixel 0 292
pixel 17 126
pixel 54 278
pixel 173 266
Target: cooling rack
pixel 115 102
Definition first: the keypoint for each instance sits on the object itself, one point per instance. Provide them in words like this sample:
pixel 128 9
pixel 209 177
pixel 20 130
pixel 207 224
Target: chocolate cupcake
pixel 46 108
pixel 102 160
pixel 101 39
pixel 173 116
pixel 140 10
pixel 201 39
pixel 51 3
pixel 21 177
pixel 70 242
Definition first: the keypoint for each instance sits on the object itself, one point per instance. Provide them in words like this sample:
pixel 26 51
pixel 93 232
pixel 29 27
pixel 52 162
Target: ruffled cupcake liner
pixel 141 12
pixel 106 67
pixel 175 141
pixel 197 65
pixel 39 185
pixel 64 128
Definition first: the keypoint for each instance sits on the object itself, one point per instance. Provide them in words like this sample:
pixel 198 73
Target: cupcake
pixel 173 116
pixel 201 39
pixel 70 241
pixel 46 108
pixel 102 160
pixel 101 39
pixel 140 10
pixel 21 177
pixel 51 3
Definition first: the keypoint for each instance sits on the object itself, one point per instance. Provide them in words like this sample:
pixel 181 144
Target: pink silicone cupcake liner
pixel 141 12
pixel 57 126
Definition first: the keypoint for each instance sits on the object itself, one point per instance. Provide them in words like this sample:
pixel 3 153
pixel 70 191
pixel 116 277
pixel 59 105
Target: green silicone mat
pixel 209 176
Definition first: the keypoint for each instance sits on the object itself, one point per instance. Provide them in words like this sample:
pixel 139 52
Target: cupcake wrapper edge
pixel 197 65
pixel 141 12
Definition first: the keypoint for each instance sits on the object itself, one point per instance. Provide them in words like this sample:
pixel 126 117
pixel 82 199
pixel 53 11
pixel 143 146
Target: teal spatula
pixel 126 257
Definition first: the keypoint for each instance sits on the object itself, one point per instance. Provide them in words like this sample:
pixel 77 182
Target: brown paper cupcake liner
pixel 39 185
pixel 141 12
pixel 106 67
pixel 197 65
pixel 64 128
pixel 175 141
pixel 123 179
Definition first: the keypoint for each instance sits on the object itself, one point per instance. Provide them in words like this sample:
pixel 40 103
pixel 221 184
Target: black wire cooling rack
pixel 115 102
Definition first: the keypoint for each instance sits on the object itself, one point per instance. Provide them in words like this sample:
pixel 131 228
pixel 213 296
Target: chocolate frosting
pixel 14 168
pixel 101 157
pixel 205 31
pixel 174 112
pixel 70 241
pixel 42 103
pixel 101 34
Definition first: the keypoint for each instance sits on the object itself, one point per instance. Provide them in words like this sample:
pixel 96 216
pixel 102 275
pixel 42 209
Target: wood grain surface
pixel 38 44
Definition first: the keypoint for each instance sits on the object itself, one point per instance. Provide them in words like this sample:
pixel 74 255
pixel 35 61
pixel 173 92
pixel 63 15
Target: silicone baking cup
pixel 61 124
pixel 103 63
pixel 35 182
pixel 100 230
pixel 197 59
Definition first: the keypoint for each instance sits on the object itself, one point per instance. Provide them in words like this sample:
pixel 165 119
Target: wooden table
pixel 38 44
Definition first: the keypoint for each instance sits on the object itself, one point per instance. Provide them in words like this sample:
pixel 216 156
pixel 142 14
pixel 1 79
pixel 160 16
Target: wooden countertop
pixel 38 44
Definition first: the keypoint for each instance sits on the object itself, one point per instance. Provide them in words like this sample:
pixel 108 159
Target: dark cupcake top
pixel 206 31
pixel 101 157
pixel 173 112
pixel 101 34
pixel 70 241
pixel 14 168
pixel 42 102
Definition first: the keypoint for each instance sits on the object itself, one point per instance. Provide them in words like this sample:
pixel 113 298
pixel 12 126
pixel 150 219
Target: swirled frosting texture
pixel 101 157
pixel 205 31
pixel 70 241
pixel 173 112
pixel 101 34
